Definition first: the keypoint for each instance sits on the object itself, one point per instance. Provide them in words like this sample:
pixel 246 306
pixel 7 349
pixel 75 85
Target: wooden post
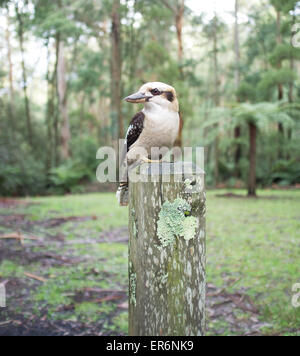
pixel 167 251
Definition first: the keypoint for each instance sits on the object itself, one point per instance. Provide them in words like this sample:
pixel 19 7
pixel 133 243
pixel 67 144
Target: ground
pixel 70 276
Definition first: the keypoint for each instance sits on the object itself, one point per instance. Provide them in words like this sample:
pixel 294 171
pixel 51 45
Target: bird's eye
pixel 155 92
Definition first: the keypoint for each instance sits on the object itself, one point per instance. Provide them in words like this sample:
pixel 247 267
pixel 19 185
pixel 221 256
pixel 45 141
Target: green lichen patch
pixel 132 285
pixel 188 184
pixel 134 225
pixel 132 282
pixel 174 221
pixel 189 227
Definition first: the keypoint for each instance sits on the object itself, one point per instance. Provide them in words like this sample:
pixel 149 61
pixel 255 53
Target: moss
pixel 134 227
pixel 133 288
pixel 121 322
pixel 132 285
pixel 10 269
pixel 174 221
pixel 87 312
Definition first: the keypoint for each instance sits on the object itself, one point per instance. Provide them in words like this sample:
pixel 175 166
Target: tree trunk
pixel 237 130
pixel 52 141
pixel 252 158
pixel 116 68
pixel 178 13
pixel 24 75
pixel 49 114
pixel 167 252
pixel 62 97
pixel 238 152
pixel 216 99
pixel 179 16
pixel 280 86
pixel 10 64
pixel 279 41
pixel 237 46
pixel 11 82
pixel 291 88
pixel 216 65
pixel 292 66
pixel 216 158
pixel 56 138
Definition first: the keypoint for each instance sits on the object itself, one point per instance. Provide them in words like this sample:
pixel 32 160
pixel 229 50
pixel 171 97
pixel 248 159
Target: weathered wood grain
pixel 167 251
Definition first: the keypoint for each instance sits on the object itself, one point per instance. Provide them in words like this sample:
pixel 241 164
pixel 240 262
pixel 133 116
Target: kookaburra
pixel 156 126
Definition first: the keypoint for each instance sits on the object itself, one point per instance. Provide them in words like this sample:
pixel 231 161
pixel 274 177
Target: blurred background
pixel 66 65
pixel 64 68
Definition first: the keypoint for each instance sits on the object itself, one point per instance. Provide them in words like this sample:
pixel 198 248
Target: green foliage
pixel 51 19
pixel 286 172
pixel 23 179
pixel 265 116
pixel 84 150
pixel 246 92
pixel 285 6
pixel 284 52
pixel 68 176
pixel 149 52
pixel 215 27
pixel 273 78
pixel 89 70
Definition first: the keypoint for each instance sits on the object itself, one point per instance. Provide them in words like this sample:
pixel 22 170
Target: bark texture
pixel 167 266
pixel 237 73
pixel 116 67
pixel 9 60
pixel 177 8
pixel 252 174
pixel 237 77
pixel 62 97
pixel 24 75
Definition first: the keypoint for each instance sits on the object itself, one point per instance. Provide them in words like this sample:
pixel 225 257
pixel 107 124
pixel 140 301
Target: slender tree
pixel 237 71
pixel 216 94
pixel 9 60
pixel 252 159
pixel 20 31
pixel 51 120
pixel 212 32
pixel 292 63
pixel 237 76
pixel 116 67
pixel 62 97
pixel 177 8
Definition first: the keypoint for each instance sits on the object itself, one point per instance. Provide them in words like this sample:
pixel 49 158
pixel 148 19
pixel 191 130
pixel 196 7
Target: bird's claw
pixel 147 160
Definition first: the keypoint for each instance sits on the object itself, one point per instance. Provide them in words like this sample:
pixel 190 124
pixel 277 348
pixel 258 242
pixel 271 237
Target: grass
pixel 257 242
pixel 252 241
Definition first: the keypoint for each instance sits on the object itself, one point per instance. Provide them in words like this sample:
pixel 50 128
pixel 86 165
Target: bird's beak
pixel 137 98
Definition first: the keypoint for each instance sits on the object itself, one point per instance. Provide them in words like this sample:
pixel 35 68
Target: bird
pixel 156 126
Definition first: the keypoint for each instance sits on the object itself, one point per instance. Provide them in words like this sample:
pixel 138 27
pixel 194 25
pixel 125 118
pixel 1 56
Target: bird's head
pixel 156 94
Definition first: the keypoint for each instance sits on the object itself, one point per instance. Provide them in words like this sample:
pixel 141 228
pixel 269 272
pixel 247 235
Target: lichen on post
pixel 167 251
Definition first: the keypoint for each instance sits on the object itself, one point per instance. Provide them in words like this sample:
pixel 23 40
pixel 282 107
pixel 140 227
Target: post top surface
pixel 173 168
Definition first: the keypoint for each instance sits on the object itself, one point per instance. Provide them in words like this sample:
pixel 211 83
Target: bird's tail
pixel 122 194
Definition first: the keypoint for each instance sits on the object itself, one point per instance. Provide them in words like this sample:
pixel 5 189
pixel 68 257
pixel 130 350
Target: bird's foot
pixel 147 160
